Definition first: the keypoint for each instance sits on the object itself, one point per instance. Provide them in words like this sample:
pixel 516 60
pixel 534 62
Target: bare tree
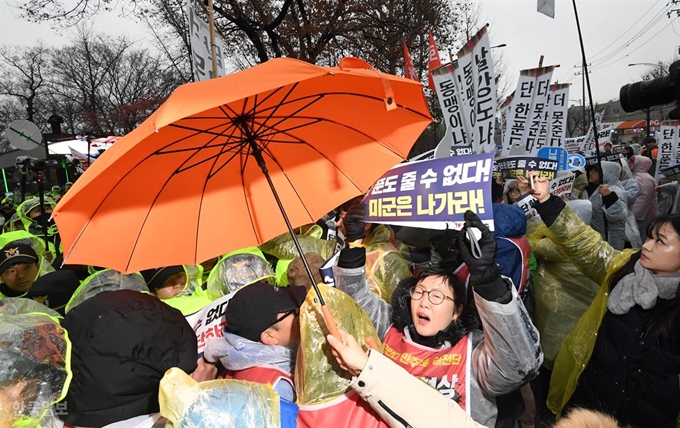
pixel 22 75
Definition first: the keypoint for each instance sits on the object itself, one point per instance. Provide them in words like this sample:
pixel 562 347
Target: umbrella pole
pixel 328 317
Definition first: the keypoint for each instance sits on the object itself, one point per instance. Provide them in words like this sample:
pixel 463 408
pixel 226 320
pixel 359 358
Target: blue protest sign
pixel 555 153
pixel 575 160
pixel 433 194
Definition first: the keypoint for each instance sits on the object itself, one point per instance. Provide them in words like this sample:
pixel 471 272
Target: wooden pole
pixel 213 50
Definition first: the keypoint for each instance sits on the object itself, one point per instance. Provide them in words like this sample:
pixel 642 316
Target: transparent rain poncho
pixel 106 280
pixel 235 272
pixel 318 377
pixel 217 403
pixel 34 363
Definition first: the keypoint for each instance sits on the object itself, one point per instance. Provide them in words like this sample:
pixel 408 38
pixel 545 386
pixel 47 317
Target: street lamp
pixel 648 110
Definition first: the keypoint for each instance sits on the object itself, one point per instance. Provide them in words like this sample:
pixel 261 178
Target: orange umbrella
pixel 188 185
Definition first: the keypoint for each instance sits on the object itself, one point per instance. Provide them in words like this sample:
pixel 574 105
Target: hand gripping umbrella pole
pixel 328 317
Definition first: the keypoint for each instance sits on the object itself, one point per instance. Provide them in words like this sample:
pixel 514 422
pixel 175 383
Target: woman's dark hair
pixel 629 152
pixel 457 287
pixel 668 321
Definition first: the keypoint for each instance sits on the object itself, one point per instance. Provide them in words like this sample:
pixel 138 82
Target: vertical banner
pixel 455 139
pixel 199 32
pixel 589 145
pixel 482 86
pixel 505 109
pixel 668 141
pixel 433 62
pixel 527 111
pixel 556 124
pixel 409 69
pixel 537 111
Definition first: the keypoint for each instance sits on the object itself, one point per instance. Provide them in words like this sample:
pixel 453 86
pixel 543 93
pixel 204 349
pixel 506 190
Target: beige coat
pixel 403 400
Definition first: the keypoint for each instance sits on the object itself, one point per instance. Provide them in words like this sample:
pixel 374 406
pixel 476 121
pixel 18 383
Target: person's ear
pixel 270 336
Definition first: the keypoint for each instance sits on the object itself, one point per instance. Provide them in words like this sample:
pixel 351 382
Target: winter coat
pixel 123 343
pixel 238 353
pixel 644 207
pixel 562 292
pixel 404 400
pixel 506 353
pixel 613 362
pixel 511 224
pixel 616 213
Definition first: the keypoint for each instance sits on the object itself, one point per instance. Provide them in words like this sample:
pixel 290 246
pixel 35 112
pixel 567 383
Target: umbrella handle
pixel 330 322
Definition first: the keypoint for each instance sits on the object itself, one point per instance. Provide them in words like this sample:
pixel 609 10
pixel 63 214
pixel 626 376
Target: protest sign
pixel 575 160
pixel 522 166
pixel 210 322
pixel 433 194
pixel 668 153
pixel 555 153
pixel 455 138
pixel 562 184
pixel 672 172
pixel 201 52
pixel 527 202
pixel 528 111
pixel 556 121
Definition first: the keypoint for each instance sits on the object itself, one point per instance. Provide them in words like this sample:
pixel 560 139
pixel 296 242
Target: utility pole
pixel 583 85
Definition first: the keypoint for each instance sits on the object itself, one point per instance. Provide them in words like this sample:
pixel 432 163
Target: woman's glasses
pixel 436 297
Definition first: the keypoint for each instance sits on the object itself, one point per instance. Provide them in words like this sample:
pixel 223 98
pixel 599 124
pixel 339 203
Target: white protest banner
pixel 201 54
pixel 526 203
pixel 505 109
pixel 589 145
pixel 573 145
pixel 668 153
pixel 562 184
pixel 556 124
pixel 483 86
pixel 209 321
pixel 455 139
pixel 433 194
pixel 532 89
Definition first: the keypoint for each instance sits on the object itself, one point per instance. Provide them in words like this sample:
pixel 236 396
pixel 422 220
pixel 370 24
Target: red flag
pixel 435 61
pixel 409 69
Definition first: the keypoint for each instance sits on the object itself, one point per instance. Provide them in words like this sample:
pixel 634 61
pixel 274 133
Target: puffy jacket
pixel 506 354
pixel 512 250
pixel 123 343
pixel 604 349
pixel 616 213
pixel 644 207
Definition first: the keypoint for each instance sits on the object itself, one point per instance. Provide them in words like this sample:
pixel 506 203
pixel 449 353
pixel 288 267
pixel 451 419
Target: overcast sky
pixel 616 33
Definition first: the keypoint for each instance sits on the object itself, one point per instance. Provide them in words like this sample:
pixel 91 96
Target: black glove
pixel 484 270
pixel 354 223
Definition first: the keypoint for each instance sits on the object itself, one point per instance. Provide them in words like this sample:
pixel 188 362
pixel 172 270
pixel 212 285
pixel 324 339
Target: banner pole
pixel 4 178
pixel 213 50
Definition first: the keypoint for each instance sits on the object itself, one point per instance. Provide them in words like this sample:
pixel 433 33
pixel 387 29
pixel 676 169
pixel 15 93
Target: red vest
pixel 348 410
pixel 262 374
pixel 447 370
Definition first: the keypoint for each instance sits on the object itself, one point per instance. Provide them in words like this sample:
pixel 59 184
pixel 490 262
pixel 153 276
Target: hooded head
pixel 639 164
pixel 610 172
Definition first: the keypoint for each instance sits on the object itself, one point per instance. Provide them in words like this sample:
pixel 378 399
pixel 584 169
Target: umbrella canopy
pixel 185 185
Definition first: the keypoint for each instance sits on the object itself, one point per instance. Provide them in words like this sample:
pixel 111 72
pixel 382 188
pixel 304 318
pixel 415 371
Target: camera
pixel 650 93
pixel 28 163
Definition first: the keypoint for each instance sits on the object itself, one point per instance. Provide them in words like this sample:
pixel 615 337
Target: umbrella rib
pixel 200 205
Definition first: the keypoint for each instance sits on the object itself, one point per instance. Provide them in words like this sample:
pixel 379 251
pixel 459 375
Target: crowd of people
pixel 584 293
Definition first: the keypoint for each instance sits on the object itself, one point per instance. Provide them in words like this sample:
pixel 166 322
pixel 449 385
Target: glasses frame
pixel 413 290
pixel 285 315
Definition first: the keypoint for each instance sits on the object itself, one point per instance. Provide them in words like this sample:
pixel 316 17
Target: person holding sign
pixel 610 205
pixel 434 333
pixel 623 355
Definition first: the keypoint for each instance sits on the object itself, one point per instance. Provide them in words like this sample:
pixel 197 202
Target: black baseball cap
pixel 256 307
pixel 12 254
pixel 155 278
